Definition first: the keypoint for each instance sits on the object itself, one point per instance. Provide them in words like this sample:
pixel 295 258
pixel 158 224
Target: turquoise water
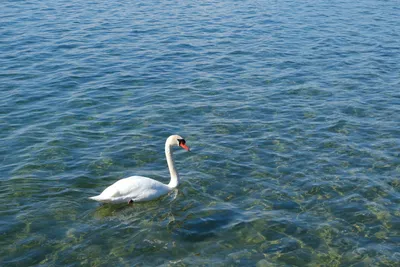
pixel 291 108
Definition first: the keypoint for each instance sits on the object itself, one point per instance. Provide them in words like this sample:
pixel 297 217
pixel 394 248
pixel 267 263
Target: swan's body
pixel 134 188
pixel 139 188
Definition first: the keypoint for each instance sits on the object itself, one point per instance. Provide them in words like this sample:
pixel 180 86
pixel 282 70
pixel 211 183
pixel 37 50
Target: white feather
pixel 139 188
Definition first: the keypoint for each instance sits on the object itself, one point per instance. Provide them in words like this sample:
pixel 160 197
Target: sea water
pixel 291 108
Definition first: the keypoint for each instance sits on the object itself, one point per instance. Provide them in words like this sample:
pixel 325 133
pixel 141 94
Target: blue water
pixel 291 108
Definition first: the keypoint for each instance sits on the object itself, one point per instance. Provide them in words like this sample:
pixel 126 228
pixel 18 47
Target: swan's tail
pixel 100 198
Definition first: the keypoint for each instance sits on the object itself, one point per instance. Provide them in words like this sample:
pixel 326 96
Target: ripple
pixel 291 110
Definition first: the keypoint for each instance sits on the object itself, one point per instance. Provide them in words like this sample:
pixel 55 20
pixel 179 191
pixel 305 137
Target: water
pixel 291 109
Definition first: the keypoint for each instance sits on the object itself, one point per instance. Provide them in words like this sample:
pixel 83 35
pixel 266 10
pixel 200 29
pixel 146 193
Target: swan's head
pixel 177 140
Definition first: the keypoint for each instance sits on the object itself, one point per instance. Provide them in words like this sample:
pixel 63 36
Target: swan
pixel 139 188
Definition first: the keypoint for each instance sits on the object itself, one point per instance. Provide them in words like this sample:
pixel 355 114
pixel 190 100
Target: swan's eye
pixel 181 141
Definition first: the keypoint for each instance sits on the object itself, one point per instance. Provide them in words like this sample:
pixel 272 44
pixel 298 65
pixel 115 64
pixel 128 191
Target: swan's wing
pixel 136 188
pixel 140 188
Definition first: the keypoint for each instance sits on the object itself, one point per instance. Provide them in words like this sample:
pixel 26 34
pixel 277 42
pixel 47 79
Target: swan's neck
pixel 171 166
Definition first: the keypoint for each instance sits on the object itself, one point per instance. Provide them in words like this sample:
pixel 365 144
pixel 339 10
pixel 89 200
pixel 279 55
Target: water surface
pixel 291 109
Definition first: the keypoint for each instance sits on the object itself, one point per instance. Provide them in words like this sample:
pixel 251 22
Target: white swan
pixel 138 188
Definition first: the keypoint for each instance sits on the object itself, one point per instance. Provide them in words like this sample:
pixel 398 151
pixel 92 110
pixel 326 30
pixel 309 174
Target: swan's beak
pixel 184 146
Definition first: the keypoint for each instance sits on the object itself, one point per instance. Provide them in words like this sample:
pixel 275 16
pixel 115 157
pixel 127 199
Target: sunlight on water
pixel 291 110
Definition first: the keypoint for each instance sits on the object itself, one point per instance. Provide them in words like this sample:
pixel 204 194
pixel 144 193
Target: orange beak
pixel 184 146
